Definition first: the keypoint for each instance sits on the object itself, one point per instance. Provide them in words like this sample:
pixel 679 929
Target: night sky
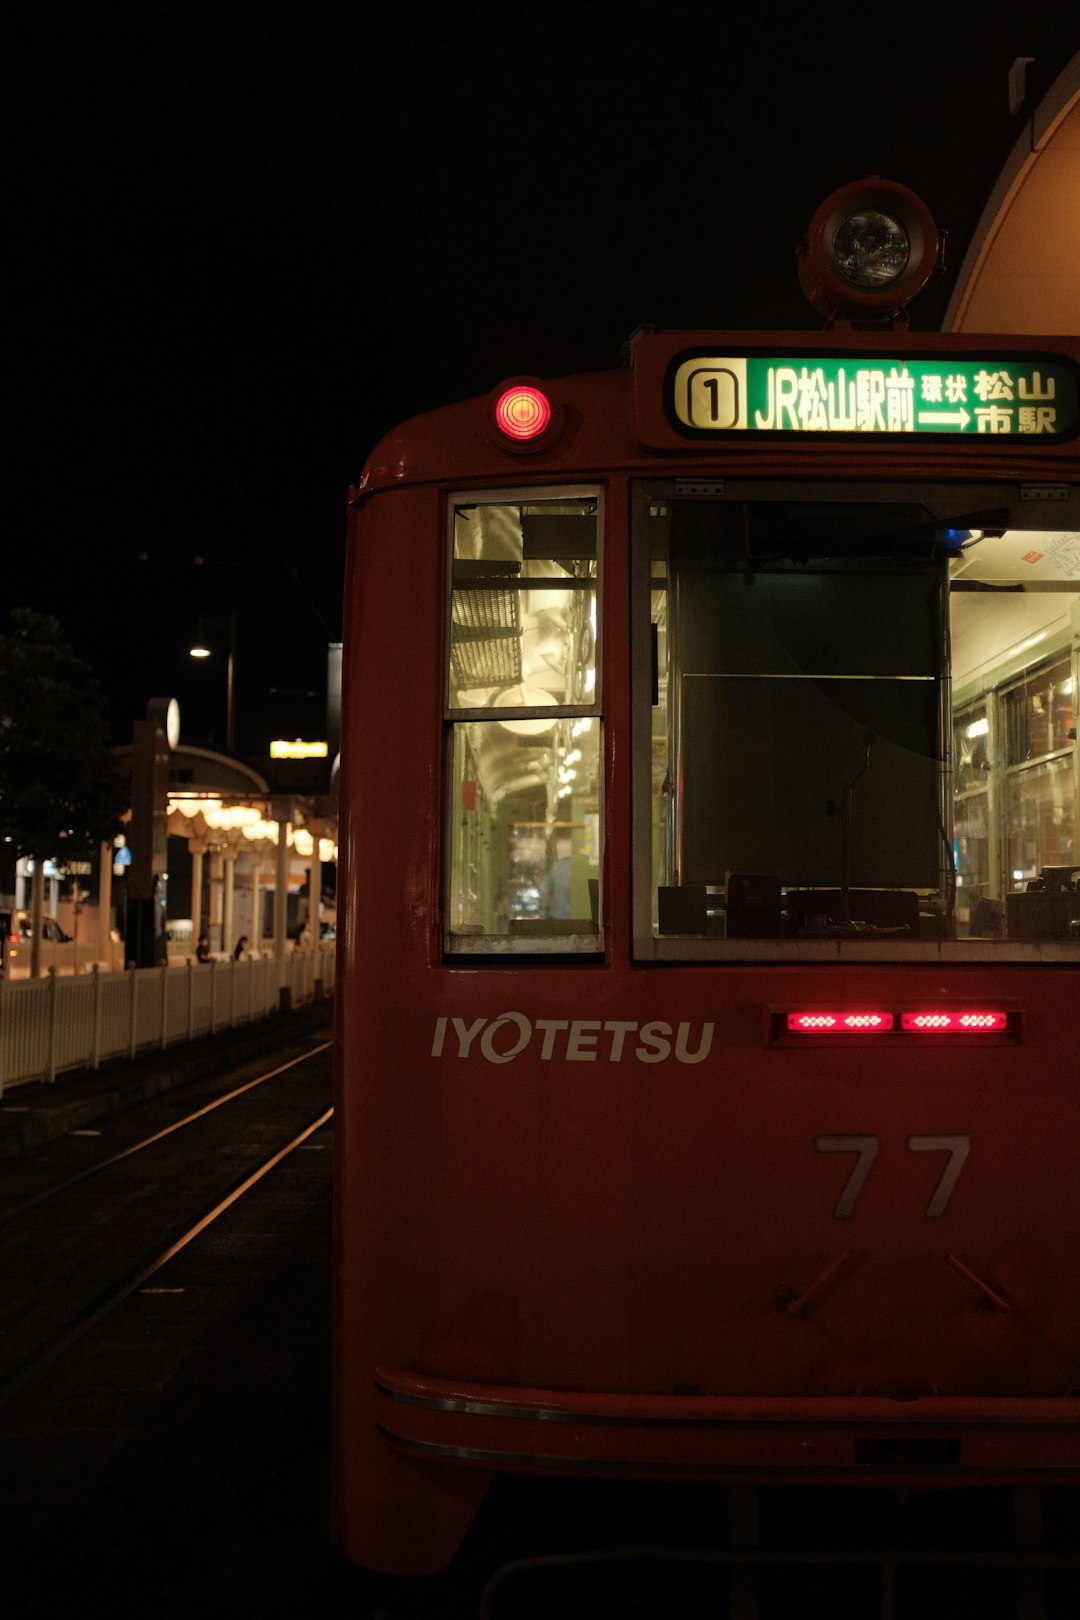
pixel 244 241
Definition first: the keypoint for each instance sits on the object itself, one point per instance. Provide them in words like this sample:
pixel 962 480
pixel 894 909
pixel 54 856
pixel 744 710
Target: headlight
pixel 869 249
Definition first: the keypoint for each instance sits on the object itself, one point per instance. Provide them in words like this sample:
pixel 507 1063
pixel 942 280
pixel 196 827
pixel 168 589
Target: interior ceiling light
pixel 526 697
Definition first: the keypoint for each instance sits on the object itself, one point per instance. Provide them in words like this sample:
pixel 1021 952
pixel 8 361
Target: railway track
pixel 88 1235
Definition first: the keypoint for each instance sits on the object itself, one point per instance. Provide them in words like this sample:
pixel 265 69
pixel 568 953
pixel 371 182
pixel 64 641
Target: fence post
pixel 190 999
pixel 133 1011
pixel 50 1068
pixel 213 995
pixel 95 1053
pixel 164 1002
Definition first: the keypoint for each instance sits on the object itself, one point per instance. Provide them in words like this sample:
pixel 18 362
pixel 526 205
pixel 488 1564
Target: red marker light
pixel 840 1023
pixel 522 412
pixel 957 1022
pixel 929 1021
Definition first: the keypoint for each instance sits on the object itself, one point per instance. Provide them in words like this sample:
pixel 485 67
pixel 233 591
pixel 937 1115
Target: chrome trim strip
pixel 610 1467
pixel 903 1420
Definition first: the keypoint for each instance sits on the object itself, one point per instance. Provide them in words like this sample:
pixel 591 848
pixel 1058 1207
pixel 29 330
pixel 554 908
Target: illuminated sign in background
pixel 281 749
pixel 1033 397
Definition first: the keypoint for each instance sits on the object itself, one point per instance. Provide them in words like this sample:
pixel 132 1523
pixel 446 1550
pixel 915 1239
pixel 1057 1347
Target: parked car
pixel 51 930
pixel 57 948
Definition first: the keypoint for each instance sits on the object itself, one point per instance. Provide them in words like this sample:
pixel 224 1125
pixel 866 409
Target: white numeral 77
pixel 866 1150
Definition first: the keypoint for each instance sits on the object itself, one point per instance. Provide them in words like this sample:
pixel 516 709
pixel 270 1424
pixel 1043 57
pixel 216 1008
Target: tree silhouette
pixel 61 794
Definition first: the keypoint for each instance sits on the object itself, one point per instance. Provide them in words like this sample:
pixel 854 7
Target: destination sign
pixel 939 394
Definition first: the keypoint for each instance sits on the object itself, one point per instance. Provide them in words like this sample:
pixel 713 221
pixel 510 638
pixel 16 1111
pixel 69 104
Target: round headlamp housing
pixel 870 248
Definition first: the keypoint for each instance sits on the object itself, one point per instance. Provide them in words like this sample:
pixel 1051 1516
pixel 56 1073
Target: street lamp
pixel 201 649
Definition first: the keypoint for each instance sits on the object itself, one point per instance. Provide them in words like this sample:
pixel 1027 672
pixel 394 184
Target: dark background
pixel 244 241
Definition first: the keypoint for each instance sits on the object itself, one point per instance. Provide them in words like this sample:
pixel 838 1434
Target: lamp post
pixel 200 649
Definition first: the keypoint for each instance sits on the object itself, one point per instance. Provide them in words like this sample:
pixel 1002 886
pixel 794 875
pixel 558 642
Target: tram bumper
pixel 927 1441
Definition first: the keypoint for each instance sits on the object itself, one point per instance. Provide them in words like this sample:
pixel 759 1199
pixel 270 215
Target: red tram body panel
pixel 707 1104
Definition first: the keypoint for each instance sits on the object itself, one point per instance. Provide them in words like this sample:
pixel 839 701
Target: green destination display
pixel 937 394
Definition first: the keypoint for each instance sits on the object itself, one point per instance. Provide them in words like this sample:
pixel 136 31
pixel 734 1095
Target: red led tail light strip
pixel 969 1021
pixel 931 1022
pixel 840 1023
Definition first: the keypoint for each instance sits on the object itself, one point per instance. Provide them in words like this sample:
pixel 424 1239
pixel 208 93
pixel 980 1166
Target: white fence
pixel 78 1021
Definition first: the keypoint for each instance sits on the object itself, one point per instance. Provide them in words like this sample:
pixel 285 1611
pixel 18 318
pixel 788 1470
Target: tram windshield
pixel 860 729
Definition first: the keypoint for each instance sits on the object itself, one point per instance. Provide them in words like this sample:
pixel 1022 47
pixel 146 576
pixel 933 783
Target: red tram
pixel 708 1088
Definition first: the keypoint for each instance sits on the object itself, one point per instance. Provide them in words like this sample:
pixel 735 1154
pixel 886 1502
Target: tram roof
pixel 622 421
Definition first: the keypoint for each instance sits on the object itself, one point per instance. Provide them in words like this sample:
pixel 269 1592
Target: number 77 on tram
pixel 709 988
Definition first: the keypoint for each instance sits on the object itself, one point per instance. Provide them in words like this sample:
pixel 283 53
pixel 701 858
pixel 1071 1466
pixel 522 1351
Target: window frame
pixel 466 949
pixel 988 788
pixel 651 946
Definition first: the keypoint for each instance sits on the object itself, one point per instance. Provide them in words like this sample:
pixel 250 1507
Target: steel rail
pixel 126 1153
pixel 72 1335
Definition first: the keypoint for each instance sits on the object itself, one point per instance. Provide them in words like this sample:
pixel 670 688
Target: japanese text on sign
pixel 941 395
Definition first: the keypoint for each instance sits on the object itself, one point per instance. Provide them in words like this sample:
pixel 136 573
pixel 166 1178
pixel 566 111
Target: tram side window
pixel 1015 628
pixel 523 823
pixel 1040 775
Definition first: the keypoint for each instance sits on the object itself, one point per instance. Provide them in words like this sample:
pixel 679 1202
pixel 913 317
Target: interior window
pixel 522 702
